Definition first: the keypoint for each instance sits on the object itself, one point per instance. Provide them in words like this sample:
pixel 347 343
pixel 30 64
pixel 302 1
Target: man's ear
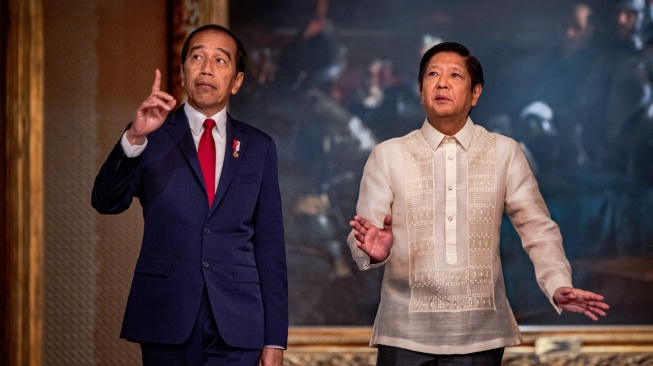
pixel 181 71
pixel 476 93
pixel 238 82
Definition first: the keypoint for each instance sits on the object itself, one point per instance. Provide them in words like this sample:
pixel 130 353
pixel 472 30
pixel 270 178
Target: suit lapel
pixel 179 129
pixel 231 162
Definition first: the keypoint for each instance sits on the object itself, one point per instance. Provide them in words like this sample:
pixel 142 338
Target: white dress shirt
pixel 443 290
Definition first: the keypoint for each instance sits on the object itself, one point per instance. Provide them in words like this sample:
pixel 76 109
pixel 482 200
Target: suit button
pixel 207 231
pixel 205 264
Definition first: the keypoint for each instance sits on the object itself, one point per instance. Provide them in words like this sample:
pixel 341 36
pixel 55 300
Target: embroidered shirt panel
pixel 433 288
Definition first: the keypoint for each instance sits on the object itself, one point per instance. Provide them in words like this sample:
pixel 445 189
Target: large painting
pixel 572 82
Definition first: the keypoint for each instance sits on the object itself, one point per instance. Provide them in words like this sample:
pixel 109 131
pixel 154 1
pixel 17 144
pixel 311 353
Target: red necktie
pixel 206 153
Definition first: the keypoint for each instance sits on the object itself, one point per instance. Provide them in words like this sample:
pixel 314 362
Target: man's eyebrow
pixel 458 68
pixel 195 48
pixel 202 47
pixel 225 52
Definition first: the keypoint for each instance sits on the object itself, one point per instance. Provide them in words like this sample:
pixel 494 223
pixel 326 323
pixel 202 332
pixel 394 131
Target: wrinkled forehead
pixel 212 35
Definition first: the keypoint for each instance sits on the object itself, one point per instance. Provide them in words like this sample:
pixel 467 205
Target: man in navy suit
pixel 210 284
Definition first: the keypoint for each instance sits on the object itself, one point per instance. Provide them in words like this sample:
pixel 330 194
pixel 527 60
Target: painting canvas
pixel 571 82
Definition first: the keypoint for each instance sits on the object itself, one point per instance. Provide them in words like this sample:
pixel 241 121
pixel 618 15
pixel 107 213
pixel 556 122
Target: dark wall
pixel 591 166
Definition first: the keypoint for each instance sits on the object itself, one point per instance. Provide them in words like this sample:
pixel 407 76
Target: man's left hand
pixel 581 301
pixel 271 357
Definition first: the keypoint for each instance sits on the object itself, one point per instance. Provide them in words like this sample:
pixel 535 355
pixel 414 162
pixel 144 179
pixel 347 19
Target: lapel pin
pixel 236 147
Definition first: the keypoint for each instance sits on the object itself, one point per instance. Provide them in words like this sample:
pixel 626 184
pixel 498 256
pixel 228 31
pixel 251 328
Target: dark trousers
pixel 393 356
pixel 204 347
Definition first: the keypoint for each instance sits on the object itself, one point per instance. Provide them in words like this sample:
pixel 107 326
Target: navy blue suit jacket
pixel 235 248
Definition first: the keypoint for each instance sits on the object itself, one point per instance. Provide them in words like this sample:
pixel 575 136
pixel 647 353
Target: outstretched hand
pixel 581 301
pixel 151 113
pixel 375 242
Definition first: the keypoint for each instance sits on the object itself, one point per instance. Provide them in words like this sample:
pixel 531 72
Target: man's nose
pixel 206 68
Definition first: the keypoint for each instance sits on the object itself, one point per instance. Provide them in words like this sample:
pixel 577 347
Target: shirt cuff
pixel 552 285
pixel 131 151
pixel 365 262
pixel 273 346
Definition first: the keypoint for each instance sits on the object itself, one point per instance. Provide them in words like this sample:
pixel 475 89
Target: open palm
pixel 581 301
pixel 374 242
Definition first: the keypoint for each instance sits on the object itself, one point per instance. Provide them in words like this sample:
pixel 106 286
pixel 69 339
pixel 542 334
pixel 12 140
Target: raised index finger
pixel 157 81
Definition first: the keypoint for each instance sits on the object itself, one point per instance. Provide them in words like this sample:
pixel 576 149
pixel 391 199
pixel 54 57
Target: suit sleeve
pixel 271 253
pixel 115 184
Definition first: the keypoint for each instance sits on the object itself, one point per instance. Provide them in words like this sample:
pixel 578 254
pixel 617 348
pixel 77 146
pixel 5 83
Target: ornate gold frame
pixel 24 182
pixel 586 345
pixel 24 221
